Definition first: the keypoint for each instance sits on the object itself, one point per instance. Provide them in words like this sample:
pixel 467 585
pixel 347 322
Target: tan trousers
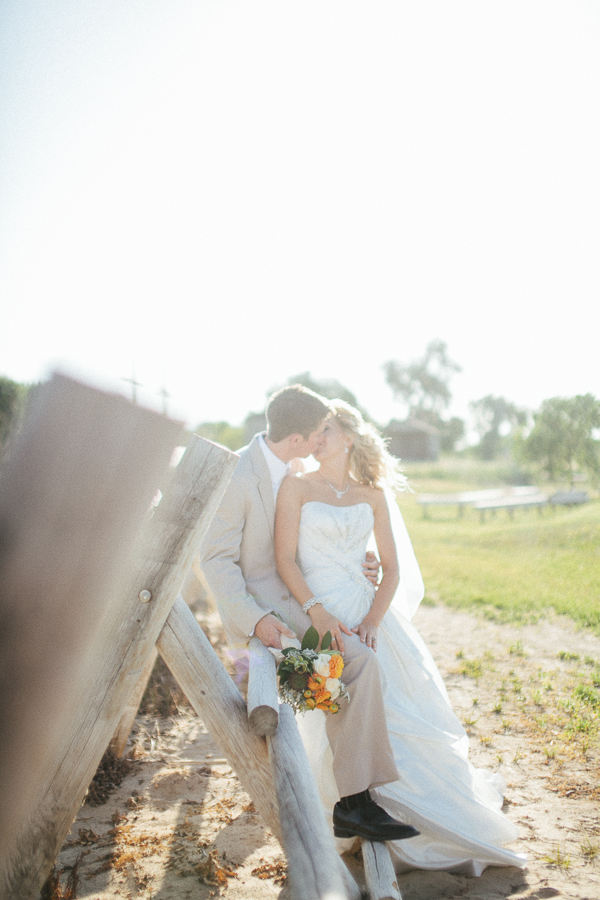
pixel 358 734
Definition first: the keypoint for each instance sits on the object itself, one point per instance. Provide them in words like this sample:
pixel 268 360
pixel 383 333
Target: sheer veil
pixel 411 589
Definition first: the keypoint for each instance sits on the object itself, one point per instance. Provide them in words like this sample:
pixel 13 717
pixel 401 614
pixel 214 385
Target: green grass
pixel 511 569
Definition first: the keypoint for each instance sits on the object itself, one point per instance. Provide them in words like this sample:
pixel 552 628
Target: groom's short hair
pixel 294 410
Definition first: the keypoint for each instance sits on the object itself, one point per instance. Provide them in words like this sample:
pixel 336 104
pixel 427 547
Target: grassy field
pixel 511 569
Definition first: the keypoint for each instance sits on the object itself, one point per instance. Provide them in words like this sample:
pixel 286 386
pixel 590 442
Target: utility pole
pixel 165 395
pixel 134 385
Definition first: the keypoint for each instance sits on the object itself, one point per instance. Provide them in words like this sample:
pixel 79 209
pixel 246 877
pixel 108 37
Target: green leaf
pixel 310 641
pixel 326 642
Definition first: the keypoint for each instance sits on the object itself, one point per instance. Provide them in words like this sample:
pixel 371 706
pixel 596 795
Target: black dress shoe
pixel 360 816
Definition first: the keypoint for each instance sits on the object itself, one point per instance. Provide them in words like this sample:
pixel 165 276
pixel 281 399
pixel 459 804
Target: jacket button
pixel 284 597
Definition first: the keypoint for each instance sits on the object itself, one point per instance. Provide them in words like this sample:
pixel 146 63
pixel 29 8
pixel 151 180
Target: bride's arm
pixel 367 630
pixel 287 526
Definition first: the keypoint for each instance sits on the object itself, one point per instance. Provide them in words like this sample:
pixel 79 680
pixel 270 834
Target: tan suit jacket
pixel 238 554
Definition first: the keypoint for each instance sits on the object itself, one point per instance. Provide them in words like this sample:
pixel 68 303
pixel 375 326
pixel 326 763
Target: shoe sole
pixel 351 833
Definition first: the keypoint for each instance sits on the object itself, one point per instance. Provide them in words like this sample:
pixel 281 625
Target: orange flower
pixel 316 682
pixel 322 696
pixel 336 664
pixel 311 703
pixel 334 708
pixel 324 706
pixel 307 694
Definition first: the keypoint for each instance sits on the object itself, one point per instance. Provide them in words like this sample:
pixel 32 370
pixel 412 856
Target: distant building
pixel 412 441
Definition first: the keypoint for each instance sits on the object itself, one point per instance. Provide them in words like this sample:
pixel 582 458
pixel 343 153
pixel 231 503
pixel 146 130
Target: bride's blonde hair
pixel 370 461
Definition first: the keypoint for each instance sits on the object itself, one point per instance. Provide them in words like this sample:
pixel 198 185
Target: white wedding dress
pixel 456 807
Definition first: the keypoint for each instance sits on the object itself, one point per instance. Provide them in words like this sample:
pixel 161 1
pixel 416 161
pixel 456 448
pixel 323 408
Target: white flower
pixel 333 686
pixel 321 665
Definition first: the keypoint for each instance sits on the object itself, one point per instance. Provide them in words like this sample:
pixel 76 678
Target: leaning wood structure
pixel 90 571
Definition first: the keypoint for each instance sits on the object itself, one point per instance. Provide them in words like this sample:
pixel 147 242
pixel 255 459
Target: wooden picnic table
pixel 471 498
pixel 569 498
pixel 523 501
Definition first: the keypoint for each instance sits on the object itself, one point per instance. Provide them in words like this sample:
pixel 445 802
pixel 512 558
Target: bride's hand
pixel 324 621
pixel 367 633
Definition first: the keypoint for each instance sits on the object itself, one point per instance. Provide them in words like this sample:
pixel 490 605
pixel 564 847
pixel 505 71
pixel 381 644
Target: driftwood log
pixel 125 637
pixel 125 724
pixel 75 487
pixel 210 689
pixel 379 872
pixel 315 869
pixel 263 702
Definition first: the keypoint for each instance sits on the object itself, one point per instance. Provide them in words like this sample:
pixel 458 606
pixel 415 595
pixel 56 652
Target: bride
pixel 323 524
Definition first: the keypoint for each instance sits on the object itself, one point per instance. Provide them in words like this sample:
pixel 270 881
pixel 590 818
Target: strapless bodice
pixel 332 543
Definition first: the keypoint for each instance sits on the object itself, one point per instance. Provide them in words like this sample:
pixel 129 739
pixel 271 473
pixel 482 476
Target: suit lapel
pixel 264 483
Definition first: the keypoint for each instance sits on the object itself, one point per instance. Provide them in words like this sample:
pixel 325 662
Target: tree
pixel 12 398
pixel 451 431
pixel 424 387
pixel 330 388
pixel 495 417
pixel 563 437
pixel 222 433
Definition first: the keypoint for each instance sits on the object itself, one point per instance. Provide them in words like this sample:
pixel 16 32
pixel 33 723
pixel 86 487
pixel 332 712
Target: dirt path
pixel 180 826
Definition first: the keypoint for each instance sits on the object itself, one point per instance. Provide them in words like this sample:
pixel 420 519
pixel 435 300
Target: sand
pixel 180 826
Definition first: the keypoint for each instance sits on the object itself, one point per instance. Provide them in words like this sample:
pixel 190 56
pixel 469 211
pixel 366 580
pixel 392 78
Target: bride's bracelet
pixel 309 604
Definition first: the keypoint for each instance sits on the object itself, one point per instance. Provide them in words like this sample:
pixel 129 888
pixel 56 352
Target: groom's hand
pixel 269 630
pixel 371 567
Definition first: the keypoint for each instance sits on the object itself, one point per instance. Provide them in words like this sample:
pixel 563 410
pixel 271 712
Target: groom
pixel 238 560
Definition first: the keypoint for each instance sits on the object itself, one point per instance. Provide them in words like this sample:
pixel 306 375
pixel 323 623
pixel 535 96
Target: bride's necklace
pixel 338 494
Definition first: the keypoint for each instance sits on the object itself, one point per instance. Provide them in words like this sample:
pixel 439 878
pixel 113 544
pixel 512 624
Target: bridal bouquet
pixel 310 679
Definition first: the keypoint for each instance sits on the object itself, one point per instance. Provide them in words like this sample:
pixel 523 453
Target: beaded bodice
pixel 332 543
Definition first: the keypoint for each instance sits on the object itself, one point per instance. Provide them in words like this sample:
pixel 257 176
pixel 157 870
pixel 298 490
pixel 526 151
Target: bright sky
pixel 219 195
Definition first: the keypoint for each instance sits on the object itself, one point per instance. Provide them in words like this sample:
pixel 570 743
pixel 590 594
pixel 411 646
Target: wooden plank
pixel 123 730
pixel 124 641
pixel 74 491
pixel 569 498
pixel 379 872
pixel 514 502
pixel 315 870
pixel 199 672
pixel 263 701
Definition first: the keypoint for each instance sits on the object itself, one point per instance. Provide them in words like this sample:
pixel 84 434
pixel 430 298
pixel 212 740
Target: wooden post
pixel 124 642
pixel 315 869
pixel 75 486
pixel 206 683
pixel 379 872
pixel 121 735
pixel 263 701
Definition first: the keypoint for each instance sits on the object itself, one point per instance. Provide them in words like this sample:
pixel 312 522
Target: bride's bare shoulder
pixel 373 495
pixel 294 485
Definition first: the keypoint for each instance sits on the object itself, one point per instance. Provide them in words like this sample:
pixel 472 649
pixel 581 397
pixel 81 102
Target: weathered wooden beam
pixel 315 870
pixel 75 487
pixel 120 650
pixel 263 702
pixel 206 683
pixel 123 730
pixel 380 875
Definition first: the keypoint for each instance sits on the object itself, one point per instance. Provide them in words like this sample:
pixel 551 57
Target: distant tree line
pixel 562 438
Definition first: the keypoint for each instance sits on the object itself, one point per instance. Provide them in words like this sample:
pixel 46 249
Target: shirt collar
pixel 277 468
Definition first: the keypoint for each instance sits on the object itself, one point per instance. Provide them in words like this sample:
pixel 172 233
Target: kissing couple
pixel 285 552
